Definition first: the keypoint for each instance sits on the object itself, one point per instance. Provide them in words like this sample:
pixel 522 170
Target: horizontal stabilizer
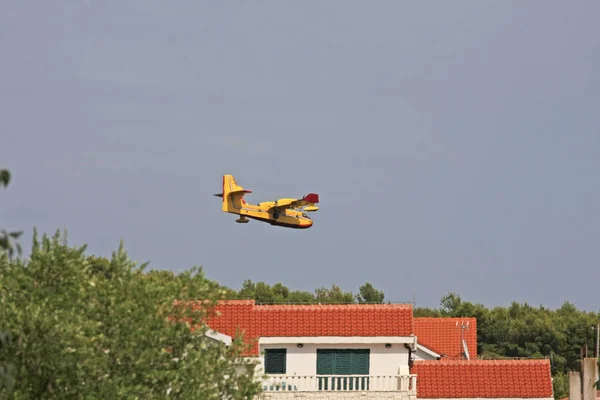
pixel 233 192
pixel 240 191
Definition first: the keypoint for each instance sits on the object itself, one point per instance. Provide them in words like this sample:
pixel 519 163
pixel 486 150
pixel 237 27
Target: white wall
pixel 421 354
pixel 303 361
pixel 345 395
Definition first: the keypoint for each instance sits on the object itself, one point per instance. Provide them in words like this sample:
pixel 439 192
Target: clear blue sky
pixel 455 145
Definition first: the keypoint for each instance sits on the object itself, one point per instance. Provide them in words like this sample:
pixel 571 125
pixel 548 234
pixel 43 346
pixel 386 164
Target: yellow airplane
pixel 289 213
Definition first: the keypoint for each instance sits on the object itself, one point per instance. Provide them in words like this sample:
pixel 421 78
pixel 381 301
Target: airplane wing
pixel 308 200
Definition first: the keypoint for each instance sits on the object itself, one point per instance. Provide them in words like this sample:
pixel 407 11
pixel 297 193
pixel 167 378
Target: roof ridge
pixel 521 361
pixel 334 306
pixel 236 302
pixel 443 318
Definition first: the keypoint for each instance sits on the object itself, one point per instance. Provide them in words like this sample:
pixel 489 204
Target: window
pixel 275 361
pixel 343 362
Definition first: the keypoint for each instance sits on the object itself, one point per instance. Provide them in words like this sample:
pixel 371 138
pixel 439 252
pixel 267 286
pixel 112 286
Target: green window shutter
pixel 324 366
pixel 325 361
pixel 360 362
pixel 275 361
pixel 343 361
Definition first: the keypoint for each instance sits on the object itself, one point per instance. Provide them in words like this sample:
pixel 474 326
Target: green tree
pixel 264 293
pixel 7 248
pixel 80 332
pixel 8 238
pixel 451 304
pixel 560 385
pixel 7 370
pixel 368 294
pixel 335 295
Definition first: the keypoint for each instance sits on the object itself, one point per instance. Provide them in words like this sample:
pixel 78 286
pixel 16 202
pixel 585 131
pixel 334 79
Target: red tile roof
pixel 310 320
pixel 443 336
pixel 483 378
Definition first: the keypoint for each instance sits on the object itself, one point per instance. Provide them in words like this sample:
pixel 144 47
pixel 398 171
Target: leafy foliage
pixel 4 177
pixel 94 328
pixel 334 295
pixel 7 238
pixel 264 293
pixel 7 371
pixel 368 294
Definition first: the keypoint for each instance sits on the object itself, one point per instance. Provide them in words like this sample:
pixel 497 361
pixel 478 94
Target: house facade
pixel 371 351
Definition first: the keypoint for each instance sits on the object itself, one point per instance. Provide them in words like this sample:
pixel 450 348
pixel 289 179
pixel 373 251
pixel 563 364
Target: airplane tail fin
pixel 233 195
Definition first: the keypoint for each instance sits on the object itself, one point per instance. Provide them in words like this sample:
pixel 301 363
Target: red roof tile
pixel 483 378
pixel 443 336
pixel 310 320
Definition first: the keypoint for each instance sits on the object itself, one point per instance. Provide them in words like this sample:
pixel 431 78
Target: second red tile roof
pixel 443 336
pixel 483 379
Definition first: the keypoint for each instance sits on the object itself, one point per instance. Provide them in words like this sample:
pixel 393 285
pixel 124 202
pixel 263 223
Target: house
pixel 371 351
pixel 316 348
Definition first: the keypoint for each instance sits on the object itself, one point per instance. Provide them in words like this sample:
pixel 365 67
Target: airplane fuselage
pixel 287 218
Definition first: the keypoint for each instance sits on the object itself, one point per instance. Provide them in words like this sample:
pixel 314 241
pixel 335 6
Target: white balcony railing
pixel 313 383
